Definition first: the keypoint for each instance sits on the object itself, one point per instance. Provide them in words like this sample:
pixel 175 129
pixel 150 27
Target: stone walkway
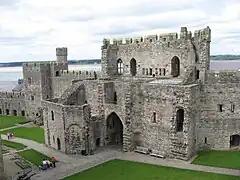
pixel 70 165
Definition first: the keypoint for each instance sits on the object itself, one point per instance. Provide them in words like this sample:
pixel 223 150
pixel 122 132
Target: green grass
pixel 125 170
pixel 33 156
pixel 14 145
pixel 9 121
pixel 32 133
pixel 224 159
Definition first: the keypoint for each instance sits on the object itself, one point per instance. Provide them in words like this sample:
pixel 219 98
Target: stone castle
pixel 154 95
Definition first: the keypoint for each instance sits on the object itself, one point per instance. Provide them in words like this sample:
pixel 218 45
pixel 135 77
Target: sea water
pixel 10 75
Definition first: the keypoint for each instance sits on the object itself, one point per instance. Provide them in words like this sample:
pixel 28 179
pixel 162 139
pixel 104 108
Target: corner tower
pixel 61 54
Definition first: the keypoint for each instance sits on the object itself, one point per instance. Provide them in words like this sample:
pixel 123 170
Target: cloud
pixel 31 30
pixel 8 2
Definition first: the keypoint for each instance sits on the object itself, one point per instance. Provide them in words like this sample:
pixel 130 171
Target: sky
pixel 30 30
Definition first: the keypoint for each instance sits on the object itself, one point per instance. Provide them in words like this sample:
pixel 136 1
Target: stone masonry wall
pixel 54 127
pixel 161 135
pixel 215 127
pixel 12 102
pixel 2 177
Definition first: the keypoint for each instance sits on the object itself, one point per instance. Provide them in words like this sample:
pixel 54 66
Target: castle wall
pixel 154 54
pixel 161 135
pixel 36 79
pixel 12 102
pixel 54 128
pixel 65 78
pixel 215 127
pixel 2 177
pixel 68 125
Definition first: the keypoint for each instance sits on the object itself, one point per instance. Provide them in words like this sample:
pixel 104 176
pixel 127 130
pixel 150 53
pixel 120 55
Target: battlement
pixel 199 35
pixel 61 51
pixel 80 74
pixel 12 95
pixel 224 76
pixel 37 66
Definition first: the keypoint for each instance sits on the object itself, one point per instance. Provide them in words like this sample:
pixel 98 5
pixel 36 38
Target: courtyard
pixel 34 133
pixel 222 159
pixel 126 170
pixel 9 121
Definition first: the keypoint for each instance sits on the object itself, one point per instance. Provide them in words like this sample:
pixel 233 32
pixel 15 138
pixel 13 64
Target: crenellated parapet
pixel 199 35
pixel 36 66
pixel 224 76
pixel 80 74
pixel 61 51
pixel 18 95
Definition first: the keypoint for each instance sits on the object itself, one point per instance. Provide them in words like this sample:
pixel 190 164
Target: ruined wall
pixel 2 177
pixel 35 80
pixel 65 127
pixel 64 80
pixel 160 133
pixel 153 54
pixel 216 126
pixel 54 125
pixel 13 102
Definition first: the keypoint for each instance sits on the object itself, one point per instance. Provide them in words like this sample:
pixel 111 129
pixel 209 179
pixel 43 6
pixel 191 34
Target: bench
pixel 156 153
pixel 141 150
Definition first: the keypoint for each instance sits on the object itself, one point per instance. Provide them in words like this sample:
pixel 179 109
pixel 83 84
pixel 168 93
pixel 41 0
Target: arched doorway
pixel 175 66
pixel 58 144
pixel 15 112
pixel 133 67
pixel 114 129
pixel 234 140
pixel 23 113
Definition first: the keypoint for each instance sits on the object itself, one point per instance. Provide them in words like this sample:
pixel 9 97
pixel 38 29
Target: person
pixel 54 161
pixel 44 165
pixel 8 135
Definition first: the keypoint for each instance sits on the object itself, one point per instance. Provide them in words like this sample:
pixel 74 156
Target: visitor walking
pixel 8 135
pixel 54 161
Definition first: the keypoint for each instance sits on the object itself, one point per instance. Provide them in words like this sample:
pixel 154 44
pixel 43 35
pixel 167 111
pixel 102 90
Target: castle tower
pixel 61 54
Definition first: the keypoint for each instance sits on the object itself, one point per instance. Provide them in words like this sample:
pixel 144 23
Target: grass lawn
pixel 33 156
pixel 14 145
pixel 224 159
pixel 126 170
pixel 33 133
pixel 9 121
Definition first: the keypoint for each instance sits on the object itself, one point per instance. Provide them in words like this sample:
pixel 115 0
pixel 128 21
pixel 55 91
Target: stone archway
pixel 133 67
pixel 175 66
pixel 114 130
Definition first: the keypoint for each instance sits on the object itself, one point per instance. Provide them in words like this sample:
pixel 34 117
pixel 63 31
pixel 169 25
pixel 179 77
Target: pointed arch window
pixel 119 66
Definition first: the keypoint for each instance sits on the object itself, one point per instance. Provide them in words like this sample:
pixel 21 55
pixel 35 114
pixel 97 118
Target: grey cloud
pixel 118 29
pixel 147 8
pixel 8 2
pixel 83 14
pixel 78 18
pixel 14 40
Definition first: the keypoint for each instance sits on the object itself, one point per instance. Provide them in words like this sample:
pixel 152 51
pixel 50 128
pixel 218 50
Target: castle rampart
pixel 223 76
pixel 17 95
pixel 199 35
